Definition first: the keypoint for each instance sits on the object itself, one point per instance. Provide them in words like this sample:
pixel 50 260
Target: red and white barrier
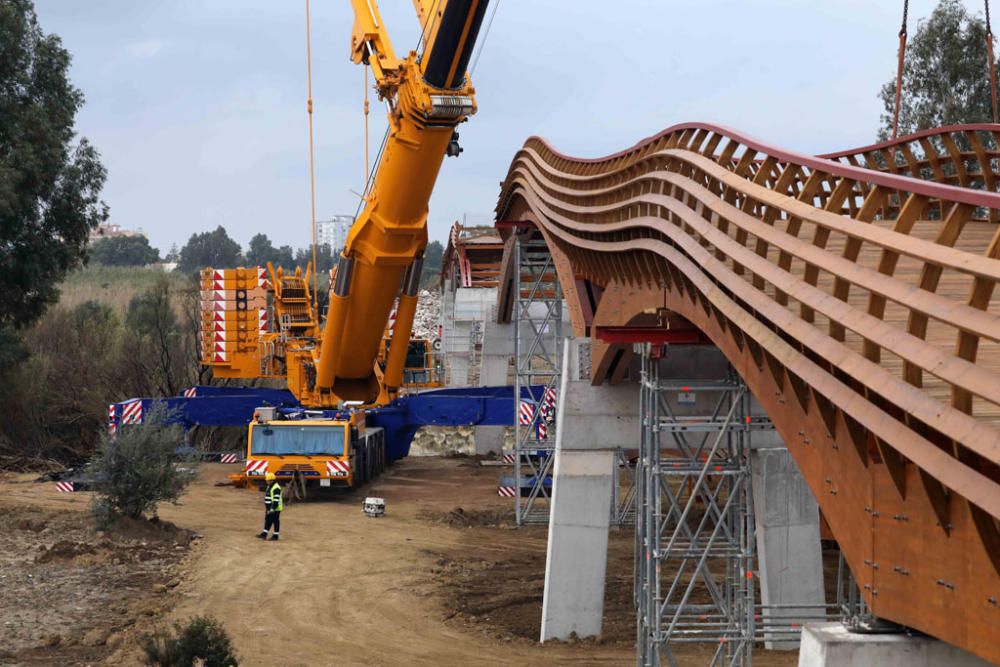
pixel 64 487
pixel 132 412
pixel 228 458
pixel 525 413
pixel 549 402
pixel 506 491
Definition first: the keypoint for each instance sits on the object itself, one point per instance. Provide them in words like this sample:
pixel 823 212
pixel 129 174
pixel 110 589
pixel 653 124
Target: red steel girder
pixel 654 335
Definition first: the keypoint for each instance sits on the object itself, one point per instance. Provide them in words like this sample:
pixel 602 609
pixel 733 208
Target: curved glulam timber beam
pixel 964 155
pixel 860 306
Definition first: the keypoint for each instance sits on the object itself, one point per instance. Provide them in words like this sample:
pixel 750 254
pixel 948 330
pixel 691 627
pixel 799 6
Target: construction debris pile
pixel 428 318
pixel 444 441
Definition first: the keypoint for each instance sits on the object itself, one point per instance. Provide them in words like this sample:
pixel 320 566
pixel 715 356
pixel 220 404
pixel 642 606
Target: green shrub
pixel 135 470
pixel 203 639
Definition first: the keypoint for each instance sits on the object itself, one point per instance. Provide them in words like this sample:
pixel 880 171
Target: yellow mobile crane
pixel 428 94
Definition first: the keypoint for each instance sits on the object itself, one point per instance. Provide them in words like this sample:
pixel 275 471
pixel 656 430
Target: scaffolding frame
pixel 694 520
pixel 623 491
pixel 538 344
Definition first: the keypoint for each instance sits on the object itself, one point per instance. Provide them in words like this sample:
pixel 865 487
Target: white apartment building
pixel 334 231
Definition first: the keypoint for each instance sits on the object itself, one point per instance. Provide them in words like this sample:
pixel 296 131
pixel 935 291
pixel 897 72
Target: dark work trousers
pixel 272 519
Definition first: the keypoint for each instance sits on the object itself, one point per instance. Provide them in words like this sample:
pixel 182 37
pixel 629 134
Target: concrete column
pixel 590 423
pixel 577 554
pixel 498 348
pixel 832 645
pixel 789 557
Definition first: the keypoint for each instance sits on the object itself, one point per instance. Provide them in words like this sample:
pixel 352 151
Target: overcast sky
pixel 198 107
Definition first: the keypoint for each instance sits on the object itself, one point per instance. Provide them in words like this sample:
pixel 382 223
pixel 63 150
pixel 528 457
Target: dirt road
pixel 425 585
pixel 345 589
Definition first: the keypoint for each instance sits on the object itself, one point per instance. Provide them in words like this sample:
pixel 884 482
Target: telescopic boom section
pixel 428 95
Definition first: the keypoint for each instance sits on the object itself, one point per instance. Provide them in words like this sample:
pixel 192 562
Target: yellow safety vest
pixel 277 502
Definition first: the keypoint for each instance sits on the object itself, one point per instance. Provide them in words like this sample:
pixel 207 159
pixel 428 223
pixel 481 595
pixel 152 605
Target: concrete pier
pixel 789 556
pixel 591 423
pixel 497 352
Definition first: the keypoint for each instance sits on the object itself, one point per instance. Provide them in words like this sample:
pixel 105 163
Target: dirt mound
pixel 72 594
pixel 463 518
pixel 502 595
pixel 151 529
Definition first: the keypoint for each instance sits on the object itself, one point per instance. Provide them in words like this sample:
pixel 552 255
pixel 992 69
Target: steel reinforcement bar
pixel 858 303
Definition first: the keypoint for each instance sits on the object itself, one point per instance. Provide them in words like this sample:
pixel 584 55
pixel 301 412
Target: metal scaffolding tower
pixel 538 340
pixel 537 356
pixel 623 490
pixel 694 518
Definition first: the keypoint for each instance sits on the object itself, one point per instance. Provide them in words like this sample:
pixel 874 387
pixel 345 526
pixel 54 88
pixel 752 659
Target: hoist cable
pixel 312 169
pixel 371 175
pixel 899 69
pixel 482 44
pixel 991 63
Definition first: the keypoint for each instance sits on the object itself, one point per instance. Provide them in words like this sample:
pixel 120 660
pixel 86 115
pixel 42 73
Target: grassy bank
pixel 115 286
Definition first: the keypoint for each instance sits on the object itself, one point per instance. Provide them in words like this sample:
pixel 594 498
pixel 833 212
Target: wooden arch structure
pixel 854 292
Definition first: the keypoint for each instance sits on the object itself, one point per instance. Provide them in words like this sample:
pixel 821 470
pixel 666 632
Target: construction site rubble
pixel 427 321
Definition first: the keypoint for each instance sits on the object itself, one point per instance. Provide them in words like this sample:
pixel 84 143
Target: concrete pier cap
pixel 833 645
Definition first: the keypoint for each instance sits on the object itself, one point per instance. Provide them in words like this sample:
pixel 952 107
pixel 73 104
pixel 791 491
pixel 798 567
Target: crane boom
pixel 428 95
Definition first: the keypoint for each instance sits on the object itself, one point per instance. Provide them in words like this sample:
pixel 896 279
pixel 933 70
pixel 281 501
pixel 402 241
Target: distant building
pixel 334 231
pixel 108 231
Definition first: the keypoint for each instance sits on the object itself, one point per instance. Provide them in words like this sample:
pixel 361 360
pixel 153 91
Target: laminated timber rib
pixel 856 295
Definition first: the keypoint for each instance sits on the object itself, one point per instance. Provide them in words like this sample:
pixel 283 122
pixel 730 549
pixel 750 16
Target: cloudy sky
pixel 198 108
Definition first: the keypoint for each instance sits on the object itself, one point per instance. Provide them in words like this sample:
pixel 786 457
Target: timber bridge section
pixel 854 293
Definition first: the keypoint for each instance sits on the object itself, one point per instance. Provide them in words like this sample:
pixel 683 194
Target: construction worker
pixel 273 504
